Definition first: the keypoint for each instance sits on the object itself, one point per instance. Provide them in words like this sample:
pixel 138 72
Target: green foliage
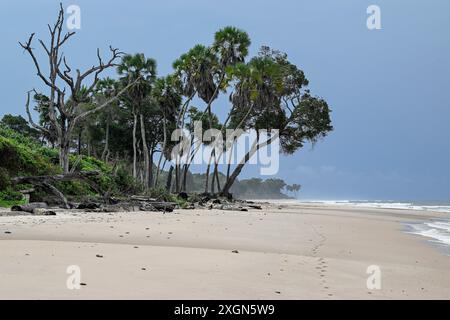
pixel 5 180
pixel 19 124
pixel 23 156
pixel 125 182
pixel 10 197
pixel 256 188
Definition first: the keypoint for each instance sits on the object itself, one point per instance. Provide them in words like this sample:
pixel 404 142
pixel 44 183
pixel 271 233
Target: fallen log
pixel 142 198
pixel 81 175
pixel 47 182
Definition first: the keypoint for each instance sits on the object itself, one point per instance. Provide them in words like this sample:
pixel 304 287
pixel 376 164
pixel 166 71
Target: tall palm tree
pixel 168 97
pixel 143 70
pixel 230 47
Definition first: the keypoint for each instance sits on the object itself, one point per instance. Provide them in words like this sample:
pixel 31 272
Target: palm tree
pixel 106 88
pixel 230 47
pixel 167 94
pixel 142 70
pixel 196 71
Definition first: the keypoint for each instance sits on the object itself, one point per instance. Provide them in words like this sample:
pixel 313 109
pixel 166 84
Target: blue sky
pixel 388 88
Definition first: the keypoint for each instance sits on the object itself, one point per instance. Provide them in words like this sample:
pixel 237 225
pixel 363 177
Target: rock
pixel 43 212
pixel 147 207
pixel 254 206
pixel 183 195
pixel 29 207
pixel 235 251
pixel 89 205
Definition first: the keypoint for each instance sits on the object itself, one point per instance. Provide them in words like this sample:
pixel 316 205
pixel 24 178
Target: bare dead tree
pixel 64 112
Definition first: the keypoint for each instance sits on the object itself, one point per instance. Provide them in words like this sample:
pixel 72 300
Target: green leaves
pixel 196 70
pixel 137 66
pixel 231 46
pixel 269 92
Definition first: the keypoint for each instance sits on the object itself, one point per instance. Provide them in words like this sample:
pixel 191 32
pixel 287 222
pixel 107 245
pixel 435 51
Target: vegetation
pixel 124 127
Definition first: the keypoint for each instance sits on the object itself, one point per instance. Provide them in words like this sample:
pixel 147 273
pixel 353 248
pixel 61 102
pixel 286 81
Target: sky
pixel 388 88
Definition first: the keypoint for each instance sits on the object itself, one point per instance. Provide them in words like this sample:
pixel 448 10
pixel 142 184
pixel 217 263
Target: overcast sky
pixel 389 89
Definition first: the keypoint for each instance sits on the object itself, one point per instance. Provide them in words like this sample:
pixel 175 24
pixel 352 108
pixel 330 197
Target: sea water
pixel 436 231
pixel 425 206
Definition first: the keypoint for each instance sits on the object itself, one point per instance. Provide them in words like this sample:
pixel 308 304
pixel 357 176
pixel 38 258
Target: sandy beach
pixel 285 251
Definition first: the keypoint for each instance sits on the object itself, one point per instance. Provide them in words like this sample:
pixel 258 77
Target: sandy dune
pixel 284 252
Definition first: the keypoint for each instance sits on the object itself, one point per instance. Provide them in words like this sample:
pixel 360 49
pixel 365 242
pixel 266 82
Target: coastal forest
pixel 79 122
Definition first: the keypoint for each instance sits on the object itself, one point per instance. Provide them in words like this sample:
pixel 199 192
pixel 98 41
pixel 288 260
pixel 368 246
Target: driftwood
pixel 30 207
pixel 34 208
pixel 47 182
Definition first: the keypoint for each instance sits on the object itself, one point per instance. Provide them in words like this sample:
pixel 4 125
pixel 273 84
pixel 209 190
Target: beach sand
pixel 285 251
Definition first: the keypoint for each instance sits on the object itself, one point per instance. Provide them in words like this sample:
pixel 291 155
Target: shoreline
pixel 285 251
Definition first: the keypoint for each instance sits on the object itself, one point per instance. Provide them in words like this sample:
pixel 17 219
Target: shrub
pixel 5 181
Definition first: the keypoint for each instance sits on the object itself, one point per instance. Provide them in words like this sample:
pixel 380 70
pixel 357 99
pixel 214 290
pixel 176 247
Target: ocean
pixel 427 206
pixel 437 231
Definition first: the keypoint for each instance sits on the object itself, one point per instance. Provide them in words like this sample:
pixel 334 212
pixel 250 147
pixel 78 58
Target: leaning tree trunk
pixel 216 173
pixel 230 181
pixel 255 147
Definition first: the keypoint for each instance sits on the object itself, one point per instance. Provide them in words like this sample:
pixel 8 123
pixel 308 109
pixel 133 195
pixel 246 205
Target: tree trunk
pixel 150 173
pixel 184 182
pixel 79 142
pixel 64 150
pixel 216 172
pixel 134 146
pixel 255 147
pixel 213 181
pixel 162 149
pixel 105 153
pixel 207 175
pixel 146 154
pixel 169 179
pixel 177 178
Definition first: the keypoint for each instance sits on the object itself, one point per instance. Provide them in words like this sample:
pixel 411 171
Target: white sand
pixel 296 252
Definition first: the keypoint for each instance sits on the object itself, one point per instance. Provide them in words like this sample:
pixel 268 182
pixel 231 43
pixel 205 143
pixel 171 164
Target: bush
pixel 5 181
pixel 23 156
pixel 9 197
pixel 125 182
